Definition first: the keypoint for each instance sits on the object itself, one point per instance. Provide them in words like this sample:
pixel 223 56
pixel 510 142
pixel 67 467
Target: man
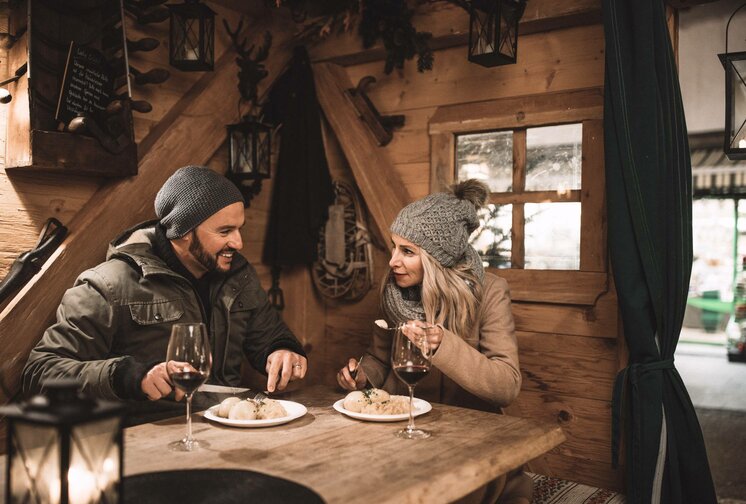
pixel 113 325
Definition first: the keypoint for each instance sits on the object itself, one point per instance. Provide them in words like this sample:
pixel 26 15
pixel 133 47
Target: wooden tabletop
pixel 344 460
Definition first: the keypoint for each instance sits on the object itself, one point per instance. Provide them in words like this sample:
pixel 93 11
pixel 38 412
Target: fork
pixel 357 368
pixel 261 396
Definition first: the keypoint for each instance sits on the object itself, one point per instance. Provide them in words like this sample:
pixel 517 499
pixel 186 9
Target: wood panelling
pixel 567 365
pixel 510 113
pixel 599 320
pixel 554 61
pixel 547 286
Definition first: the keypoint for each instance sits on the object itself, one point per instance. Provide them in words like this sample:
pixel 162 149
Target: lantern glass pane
pixel 242 151
pixel 263 152
pixel 492 239
pixel 483 31
pixel 35 464
pixel 487 157
pixel 508 39
pixel 737 75
pixel 187 40
pixel 209 41
pixel 554 158
pixel 552 236
pixel 94 462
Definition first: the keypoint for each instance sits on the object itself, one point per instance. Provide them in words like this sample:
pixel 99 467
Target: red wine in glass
pixel 188 362
pixel 411 375
pixel 188 381
pixel 410 358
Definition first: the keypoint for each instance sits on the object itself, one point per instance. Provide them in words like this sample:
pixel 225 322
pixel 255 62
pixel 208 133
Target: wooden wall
pixel 569 353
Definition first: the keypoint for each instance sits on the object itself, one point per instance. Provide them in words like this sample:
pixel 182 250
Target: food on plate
pixel 226 405
pixel 375 402
pixel 250 409
pixel 243 410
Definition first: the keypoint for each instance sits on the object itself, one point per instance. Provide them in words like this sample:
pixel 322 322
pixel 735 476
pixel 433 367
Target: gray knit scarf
pixel 401 305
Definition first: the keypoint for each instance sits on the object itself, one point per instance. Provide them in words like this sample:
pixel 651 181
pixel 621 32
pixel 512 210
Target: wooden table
pixel 346 460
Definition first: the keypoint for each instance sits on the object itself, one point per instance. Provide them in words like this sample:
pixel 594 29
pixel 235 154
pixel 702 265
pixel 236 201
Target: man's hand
pixel 156 384
pixel 284 366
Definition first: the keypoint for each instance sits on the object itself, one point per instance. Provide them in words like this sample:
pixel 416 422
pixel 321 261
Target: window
pixel 542 158
pixel 537 172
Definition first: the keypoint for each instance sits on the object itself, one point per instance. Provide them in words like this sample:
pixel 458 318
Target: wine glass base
pixel 188 446
pixel 413 434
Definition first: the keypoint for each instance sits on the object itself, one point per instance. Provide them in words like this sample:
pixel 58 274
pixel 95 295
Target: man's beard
pixel 209 262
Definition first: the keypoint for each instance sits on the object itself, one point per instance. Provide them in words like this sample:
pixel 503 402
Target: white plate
pixel 294 409
pixel 420 408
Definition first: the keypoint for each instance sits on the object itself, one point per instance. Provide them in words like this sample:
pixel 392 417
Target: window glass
pixel 552 238
pixel 553 157
pixel 492 239
pixel 487 157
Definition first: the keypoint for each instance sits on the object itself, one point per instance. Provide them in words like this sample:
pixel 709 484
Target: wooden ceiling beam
pixel 191 137
pixel 375 175
pixel 449 26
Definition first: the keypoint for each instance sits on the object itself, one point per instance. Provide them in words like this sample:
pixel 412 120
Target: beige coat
pixel 479 370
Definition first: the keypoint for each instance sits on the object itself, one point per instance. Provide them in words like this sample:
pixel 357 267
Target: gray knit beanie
pixel 441 223
pixel 190 196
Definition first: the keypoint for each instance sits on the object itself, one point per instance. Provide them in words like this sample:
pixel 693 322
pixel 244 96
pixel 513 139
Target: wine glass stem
pixel 189 438
pixel 410 427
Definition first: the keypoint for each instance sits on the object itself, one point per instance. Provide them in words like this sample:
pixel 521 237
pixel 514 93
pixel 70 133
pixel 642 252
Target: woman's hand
pixel 352 376
pixel 416 329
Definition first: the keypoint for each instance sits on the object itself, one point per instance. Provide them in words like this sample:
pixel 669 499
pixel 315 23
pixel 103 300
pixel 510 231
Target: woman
pixel 436 277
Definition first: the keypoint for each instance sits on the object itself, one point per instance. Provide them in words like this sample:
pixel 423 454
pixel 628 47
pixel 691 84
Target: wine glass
pixel 188 362
pixel 410 358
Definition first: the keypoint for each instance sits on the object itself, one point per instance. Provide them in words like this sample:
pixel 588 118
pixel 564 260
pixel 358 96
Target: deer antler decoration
pixel 251 69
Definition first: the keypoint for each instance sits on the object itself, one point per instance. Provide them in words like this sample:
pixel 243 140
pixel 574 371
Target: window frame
pixel 582 286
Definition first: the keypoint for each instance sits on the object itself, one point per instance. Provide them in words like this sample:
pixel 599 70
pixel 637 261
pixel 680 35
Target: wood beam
pixel 449 26
pixel 122 203
pixel 375 175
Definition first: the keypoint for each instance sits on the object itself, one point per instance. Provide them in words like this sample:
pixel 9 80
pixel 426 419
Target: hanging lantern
pixel 64 449
pixel 735 99
pixel 192 36
pixel 493 31
pixel 250 158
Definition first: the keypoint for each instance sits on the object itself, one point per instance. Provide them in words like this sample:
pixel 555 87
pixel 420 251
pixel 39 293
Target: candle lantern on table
pixel 63 448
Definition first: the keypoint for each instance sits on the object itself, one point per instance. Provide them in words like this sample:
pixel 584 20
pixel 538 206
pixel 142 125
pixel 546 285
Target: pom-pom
pixel 472 190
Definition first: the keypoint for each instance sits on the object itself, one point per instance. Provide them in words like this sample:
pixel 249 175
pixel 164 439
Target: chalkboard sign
pixel 87 84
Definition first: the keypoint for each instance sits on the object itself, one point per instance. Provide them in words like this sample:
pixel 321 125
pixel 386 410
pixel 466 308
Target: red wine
pixel 188 381
pixel 411 374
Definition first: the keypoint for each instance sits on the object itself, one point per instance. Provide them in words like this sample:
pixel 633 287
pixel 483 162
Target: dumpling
pixel 269 408
pixel 226 405
pixel 355 401
pixel 377 395
pixel 243 410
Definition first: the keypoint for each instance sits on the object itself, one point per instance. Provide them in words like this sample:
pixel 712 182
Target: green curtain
pixel 649 195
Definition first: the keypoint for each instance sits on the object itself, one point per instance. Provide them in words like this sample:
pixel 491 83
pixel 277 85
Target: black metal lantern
pixel 192 36
pixel 734 64
pixel 493 31
pixel 64 449
pixel 250 158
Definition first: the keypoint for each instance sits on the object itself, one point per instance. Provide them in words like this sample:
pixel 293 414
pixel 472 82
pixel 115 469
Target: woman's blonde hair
pixel 450 296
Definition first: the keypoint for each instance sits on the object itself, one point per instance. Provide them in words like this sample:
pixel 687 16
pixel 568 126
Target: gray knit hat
pixel 190 196
pixel 441 223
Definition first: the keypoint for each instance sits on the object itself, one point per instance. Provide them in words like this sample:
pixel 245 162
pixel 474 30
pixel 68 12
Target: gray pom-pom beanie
pixel 190 196
pixel 441 223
